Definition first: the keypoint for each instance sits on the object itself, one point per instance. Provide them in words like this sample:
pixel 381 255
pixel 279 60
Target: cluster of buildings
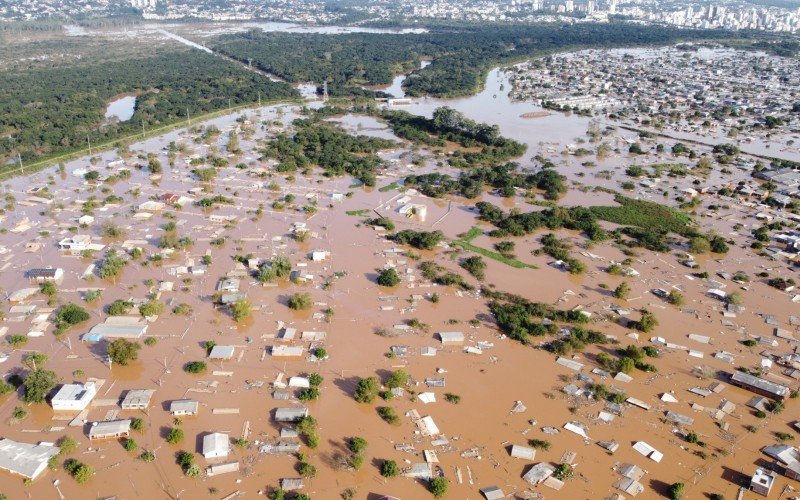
pixel 727 15
pixel 684 88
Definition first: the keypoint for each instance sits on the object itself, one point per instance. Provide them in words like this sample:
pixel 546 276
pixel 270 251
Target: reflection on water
pixel 122 109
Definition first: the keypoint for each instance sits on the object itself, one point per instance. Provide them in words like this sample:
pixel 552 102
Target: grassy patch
pixel 644 214
pixel 470 235
pixel 358 213
pixel 388 187
pixel 473 233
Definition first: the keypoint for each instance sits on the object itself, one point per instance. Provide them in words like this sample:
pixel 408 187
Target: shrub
pixel 475 266
pixel 438 486
pixel 119 307
pixel 452 398
pixel 389 415
pixel 130 445
pixel 357 444
pixel 539 444
pixel 300 301
pixel 241 309
pixel 389 468
pixel 194 367
pixel 66 445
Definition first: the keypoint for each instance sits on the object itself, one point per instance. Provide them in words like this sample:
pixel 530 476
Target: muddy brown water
pixel 489 384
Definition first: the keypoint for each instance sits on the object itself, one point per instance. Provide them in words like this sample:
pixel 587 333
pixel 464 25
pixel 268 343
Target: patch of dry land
pixel 591 353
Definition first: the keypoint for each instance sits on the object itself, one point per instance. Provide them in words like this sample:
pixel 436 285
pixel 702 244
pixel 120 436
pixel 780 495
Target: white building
pixel 75 243
pixel 74 397
pixel 23 459
pixel 216 445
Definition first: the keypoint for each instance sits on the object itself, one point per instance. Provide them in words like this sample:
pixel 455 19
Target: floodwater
pixel 396 87
pixel 122 108
pixel 489 384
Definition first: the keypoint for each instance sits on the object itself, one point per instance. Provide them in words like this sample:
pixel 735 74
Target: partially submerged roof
pixel 138 398
pixel 221 352
pixel 27 460
pixel 492 493
pixel 110 428
pixel 216 443
pixel 538 473
pixel 184 406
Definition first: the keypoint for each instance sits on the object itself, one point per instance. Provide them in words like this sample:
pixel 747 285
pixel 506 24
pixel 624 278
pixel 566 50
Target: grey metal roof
pixel 110 428
pixel 184 405
pixel 290 414
pixel 760 383
pixel 138 398
pixel 28 460
pixel 221 352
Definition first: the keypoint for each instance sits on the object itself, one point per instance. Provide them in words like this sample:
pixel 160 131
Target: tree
pixel 151 308
pixel 241 309
pixel 388 277
pixel 647 322
pixel 175 435
pixel 130 445
pixel 367 390
pixel 69 315
pixel 398 378
pixel 123 351
pixel 38 384
pixel 438 486
pixel 66 445
pixel 622 291
pixel 357 444
pixel 626 365
pixel 78 470
pixel 475 266
pixel 389 468
pixel 315 379
pixel 676 491
pixel 307 470
pixel 300 301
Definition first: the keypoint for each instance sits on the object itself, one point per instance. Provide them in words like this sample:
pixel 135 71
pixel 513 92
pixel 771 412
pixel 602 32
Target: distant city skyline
pixel 733 15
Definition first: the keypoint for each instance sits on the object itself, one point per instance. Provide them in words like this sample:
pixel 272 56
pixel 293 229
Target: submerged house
pixel 26 460
pixel 74 397
pixel 760 386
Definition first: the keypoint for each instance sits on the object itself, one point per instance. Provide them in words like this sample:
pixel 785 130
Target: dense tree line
pixel 316 142
pixel 50 111
pixel 462 54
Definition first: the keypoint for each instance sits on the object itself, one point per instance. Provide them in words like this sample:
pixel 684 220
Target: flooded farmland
pixel 501 393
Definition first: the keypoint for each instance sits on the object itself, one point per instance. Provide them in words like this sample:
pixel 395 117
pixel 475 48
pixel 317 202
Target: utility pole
pixel 19 157
pixel 90 145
